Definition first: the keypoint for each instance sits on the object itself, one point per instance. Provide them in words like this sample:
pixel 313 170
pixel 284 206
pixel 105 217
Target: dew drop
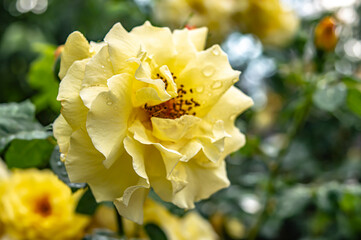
pixel 217 85
pixel 200 89
pixel 62 157
pixel 103 66
pixel 216 51
pixel 109 103
pixel 208 71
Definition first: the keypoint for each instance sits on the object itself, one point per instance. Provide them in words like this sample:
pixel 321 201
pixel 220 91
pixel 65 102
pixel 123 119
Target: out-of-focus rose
pixel 270 20
pixel 36 205
pixel 148 108
pixel 191 226
pixel 326 37
pixel 214 14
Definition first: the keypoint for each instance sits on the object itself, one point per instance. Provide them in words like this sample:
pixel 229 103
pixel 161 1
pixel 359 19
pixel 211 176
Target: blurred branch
pixel 299 119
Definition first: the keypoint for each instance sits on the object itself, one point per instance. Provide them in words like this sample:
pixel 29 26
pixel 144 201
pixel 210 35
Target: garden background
pixel 297 177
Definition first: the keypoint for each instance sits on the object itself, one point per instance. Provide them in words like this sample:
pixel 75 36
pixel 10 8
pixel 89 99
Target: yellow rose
pixel 36 205
pixel 191 226
pixel 272 22
pixel 148 108
pixel 214 14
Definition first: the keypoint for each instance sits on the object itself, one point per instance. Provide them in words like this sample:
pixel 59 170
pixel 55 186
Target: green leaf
pixel 43 79
pixel 17 121
pixel 87 203
pixel 354 101
pixel 28 153
pixel 154 232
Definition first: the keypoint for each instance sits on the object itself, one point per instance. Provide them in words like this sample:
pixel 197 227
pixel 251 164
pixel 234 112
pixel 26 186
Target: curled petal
pixel 108 116
pixel 202 181
pixel 76 48
pixel 62 133
pixel 84 164
pixel 73 108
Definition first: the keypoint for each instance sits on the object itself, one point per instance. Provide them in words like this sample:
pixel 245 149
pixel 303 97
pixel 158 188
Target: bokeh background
pixel 298 177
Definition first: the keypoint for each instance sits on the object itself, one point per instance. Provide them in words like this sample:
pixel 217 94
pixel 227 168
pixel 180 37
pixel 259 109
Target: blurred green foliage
pixel 297 177
pixel 42 78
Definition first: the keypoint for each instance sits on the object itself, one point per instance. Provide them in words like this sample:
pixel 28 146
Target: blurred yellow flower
pixel 214 14
pixel 270 20
pixel 191 226
pixel 36 205
pixel 148 108
pixel 326 37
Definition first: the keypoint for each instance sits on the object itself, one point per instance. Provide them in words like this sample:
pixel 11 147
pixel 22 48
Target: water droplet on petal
pixel 199 89
pixel 208 71
pixel 109 103
pixel 217 85
pixel 103 66
pixel 62 157
pixel 216 51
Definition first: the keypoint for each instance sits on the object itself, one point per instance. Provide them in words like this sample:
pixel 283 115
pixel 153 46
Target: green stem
pixel 120 224
pixel 299 119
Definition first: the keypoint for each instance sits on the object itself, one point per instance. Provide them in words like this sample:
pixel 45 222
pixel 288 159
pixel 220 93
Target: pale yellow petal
pixel 186 50
pixel 169 157
pixel 202 181
pixel 76 48
pixel 151 91
pixel 96 46
pixel 209 75
pixel 73 108
pixel 132 208
pixel 85 164
pixel 153 160
pixel 173 129
pixel 161 47
pixel 108 118
pixel 229 106
pixel 198 37
pixel 99 69
pixel 122 46
pixel 89 94
pixel 62 132
pixel 135 149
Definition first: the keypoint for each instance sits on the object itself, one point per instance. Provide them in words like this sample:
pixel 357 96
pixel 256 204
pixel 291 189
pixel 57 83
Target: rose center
pixel 183 104
pixel 43 206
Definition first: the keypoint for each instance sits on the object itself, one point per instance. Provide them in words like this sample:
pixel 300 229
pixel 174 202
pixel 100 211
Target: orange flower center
pixel 43 206
pixel 175 107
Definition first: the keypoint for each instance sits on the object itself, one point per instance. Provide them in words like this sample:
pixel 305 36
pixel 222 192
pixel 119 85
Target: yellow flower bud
pixel 326 37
